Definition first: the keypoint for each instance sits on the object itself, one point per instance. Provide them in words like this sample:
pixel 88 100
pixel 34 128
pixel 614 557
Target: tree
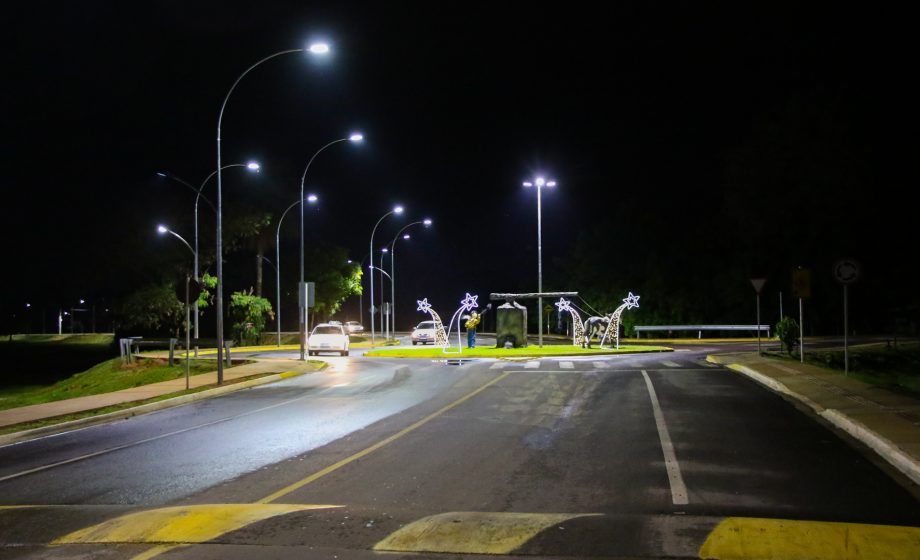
pixel 787 331
pixel 249 314
pixel 154 309
pixel 335 280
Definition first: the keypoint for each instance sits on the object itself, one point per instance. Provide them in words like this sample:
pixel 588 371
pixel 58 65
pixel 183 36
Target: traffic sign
pixel 548 309
pixel 801 283
pixel 758 284
pixel 846 271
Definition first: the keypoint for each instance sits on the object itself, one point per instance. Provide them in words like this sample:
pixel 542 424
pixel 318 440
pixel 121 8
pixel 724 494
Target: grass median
pixel 529 352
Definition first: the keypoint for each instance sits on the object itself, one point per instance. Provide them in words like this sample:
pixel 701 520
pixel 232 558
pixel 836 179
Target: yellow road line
pixel 315 476
pixel 742 538
pixel 465 532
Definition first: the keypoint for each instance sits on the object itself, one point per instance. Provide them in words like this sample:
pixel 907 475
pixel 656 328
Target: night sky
pixel 660 122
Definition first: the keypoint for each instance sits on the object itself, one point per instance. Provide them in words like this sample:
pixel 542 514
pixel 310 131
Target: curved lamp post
pixel 311 198
pixel 319 48
pixel 395 210
pixel 251 166
pixel 302 307
pixel 427 223
pixel 540 182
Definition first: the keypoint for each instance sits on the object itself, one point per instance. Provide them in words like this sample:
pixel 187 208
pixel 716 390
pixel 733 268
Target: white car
pixel 327 338
pixel 354 327
pixel 424 333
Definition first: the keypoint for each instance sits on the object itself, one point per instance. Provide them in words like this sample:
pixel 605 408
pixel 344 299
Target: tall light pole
pixel 311 198
pixel 251 166
pixel 302 303
pixel 427 223
pixel 395 210
pixel 540 182
pixel 383 252
pixel 318 48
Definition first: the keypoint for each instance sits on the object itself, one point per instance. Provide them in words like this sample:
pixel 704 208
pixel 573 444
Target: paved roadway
pixel 654 446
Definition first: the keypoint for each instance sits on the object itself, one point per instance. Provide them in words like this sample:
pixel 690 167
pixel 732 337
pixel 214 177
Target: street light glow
pixel 356 137
pixel 312 198
pixel 253 166
pixel 551 184
pixel 319 48
pixel 406 236
pixel 385 250
pixel 162 229
pixel 528 184
pixel 398 210
pixel 427 221
pixel 540 181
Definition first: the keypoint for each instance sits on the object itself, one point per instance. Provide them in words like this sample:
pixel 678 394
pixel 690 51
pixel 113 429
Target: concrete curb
pixel 18 437
pixel 884 447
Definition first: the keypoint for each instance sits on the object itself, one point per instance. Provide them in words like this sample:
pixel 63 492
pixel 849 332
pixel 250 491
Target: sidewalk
pixel 887 422
pixel 93 402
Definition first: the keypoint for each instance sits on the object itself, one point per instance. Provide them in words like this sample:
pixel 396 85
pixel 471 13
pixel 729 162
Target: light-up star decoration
pixel 578 326
pixel 467 304
pixel 613 328
pixel 440 337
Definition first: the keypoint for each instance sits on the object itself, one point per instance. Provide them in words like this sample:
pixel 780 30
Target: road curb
pixel 25 435
pixel 882 446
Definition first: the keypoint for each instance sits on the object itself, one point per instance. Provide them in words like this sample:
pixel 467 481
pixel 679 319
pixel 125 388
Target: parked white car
pixel 327 338
pixel 424 333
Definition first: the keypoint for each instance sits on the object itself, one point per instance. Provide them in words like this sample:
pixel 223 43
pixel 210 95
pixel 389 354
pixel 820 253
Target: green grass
pixel 896 368
pixel 110 375
pixel 490 352
pixel 98 338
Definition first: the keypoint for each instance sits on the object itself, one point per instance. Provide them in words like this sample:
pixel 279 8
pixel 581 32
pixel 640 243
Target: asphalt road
pixel 628 451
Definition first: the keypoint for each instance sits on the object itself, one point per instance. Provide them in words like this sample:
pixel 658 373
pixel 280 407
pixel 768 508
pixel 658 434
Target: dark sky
pixel 634 108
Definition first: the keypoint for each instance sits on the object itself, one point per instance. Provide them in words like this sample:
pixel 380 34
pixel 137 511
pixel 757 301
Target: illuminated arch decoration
pixel 467 304
pixel 578 326
pixel 614 325
pixel 440 337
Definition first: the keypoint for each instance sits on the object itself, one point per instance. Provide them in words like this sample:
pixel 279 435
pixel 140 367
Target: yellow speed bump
pixel 738 538
pixel 183 524
pixel 469 532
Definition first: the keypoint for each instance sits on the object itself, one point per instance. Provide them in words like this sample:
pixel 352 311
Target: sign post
pixel 846 271
pixel 801 288
pixel 758 286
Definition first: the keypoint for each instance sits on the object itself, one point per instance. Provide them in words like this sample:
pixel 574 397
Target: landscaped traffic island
pixel 532 351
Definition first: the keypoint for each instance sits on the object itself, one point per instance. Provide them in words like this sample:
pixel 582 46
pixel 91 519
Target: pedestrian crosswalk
pixel 619 363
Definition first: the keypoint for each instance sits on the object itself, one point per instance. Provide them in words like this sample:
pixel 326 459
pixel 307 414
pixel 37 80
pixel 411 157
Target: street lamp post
pixel 395 210
pixel 311 198
pixel 163 229
pixel 319 48
pixel 540 182
pixel 302 311
pixel 251 166
pixel 427 223
pixel 383 253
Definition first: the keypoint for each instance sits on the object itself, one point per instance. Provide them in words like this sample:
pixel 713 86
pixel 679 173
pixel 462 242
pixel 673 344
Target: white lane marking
pixel 602 365
pixel 532 365
pixel 678 488
pixel 566 365
pixel 671 364
pixel 148 440
pixel 498 365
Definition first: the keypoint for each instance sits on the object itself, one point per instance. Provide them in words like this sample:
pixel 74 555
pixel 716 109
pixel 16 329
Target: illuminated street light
pixel 319 48
pixel 540 182
pixel 311 198
pixel 396 210
pixel 427 223
pixel 354 138
pixel 251 166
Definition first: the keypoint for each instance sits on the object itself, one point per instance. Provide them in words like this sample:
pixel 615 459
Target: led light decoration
pixel 440 337
pixel 578 326
pixel 467 304
pixel 614 325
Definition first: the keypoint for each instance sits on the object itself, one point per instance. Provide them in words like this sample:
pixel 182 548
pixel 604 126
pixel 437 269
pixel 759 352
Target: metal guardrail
pixel 700 328
pixel 129 347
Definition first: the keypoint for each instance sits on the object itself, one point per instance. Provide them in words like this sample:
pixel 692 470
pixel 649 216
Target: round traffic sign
pixel 846 271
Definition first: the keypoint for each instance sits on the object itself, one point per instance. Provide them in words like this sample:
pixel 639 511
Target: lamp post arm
pixel 381 271
pixel 307 168
pixel 184 242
